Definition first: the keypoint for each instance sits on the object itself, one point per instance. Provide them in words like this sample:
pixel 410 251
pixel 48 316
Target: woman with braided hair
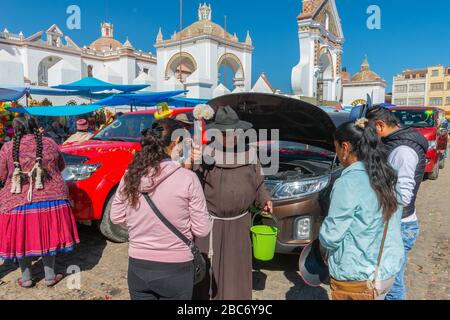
pixel 36 218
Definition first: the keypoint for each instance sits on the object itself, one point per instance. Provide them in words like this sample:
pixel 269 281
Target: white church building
pixel 188 60
pixel 318 73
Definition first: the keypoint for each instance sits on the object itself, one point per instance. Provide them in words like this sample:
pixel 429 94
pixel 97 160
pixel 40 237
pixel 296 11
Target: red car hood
pixel 94 147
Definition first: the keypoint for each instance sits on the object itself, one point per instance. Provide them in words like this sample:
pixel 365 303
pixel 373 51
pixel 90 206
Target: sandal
pixel 26 285
pixel 55 281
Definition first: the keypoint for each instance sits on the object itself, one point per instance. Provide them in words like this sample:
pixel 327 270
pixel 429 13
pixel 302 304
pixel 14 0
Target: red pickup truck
pixel 432 124
pixel 94 168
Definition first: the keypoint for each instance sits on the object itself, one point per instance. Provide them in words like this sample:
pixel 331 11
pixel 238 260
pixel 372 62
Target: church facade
pixel 189 60
pixel 318 73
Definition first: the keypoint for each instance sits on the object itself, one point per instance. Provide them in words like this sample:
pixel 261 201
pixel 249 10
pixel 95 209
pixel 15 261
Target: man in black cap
pixel 407 150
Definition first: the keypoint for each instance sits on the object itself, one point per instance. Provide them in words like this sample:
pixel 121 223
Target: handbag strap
pixel 380 255
pixel 167 223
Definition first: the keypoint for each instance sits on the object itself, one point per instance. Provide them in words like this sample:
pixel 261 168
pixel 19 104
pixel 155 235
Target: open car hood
pixel 296 120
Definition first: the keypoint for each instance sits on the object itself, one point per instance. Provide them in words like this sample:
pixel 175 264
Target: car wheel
pixel 112 232
pixel 442 164
pixel 435 174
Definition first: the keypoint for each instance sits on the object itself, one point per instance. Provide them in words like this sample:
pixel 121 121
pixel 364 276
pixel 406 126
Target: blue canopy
pixel 141 99
pixel 57 111
pixel 16 93
pixel 185 102
pixel 11 93
pixel 90 85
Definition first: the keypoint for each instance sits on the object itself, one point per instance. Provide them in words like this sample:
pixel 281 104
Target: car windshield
pixel 127 128
pixel 416 118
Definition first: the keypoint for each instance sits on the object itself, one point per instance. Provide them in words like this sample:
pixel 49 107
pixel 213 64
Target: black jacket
pixel 415 140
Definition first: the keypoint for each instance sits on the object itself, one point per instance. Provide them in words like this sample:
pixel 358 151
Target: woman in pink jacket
pixel 160 265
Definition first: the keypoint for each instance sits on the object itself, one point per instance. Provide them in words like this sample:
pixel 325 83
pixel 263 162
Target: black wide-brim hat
pixel 228 119
pixel 313 269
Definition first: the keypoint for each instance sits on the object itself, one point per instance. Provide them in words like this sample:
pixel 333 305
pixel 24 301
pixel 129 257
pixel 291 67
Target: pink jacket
pixel 179 196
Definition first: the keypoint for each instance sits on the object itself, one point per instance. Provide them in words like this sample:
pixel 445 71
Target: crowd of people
pixel 371 227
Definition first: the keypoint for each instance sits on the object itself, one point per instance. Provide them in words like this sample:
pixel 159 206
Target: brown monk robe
pixel 231 190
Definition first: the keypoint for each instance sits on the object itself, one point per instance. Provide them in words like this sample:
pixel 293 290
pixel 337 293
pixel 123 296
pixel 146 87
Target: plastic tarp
pixel 91 85
pixel 185 102
pixel 12 93
pixel 57 111
pixel 141 99
pixel 16 93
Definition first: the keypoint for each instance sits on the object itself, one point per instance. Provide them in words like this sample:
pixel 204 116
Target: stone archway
pixel 234 63
pixel 43 68
pixel 180 65
pixel 325 75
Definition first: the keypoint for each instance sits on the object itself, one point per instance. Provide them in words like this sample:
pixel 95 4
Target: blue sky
pixel 414 34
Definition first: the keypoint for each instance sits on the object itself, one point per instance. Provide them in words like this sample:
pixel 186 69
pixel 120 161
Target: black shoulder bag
pixel 199 261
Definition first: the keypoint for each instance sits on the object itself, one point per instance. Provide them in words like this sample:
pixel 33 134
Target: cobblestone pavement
pixel 104 264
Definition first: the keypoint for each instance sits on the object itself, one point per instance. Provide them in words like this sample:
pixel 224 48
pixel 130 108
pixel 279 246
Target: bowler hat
pixel 228 119
pixel 313 268
pixel 82 125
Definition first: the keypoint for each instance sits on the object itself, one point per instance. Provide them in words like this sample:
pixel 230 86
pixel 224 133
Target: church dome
pixel 365 74
pixel 107 41
pixel 105 44
pixel 204 26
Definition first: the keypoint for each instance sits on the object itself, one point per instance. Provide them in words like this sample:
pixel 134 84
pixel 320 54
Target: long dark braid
pixel 22 126
pixel 16 152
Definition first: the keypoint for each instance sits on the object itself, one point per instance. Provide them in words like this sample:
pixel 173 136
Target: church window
pixel 447 101
pixel 90 71
pixel 448 85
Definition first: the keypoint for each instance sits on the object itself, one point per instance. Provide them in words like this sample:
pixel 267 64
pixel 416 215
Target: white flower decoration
pixel 203 112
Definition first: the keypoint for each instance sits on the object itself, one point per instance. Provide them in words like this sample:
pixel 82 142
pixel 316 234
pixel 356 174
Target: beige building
pixel 423 87
pixel 438 87
pixel 410 88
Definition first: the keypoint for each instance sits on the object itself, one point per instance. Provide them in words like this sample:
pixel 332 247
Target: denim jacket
pixel 354 228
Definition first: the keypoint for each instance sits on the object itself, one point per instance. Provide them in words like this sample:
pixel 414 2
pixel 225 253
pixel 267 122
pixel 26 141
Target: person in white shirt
pixel 407 150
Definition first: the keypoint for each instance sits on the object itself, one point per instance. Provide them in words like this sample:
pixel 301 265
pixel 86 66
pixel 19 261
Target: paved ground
pixel 104 265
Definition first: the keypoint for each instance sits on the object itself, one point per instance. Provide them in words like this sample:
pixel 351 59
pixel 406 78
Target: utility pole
pixel 181 41
pixel 225 66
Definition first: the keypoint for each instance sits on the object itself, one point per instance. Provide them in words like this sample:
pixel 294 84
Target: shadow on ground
pixel 288 264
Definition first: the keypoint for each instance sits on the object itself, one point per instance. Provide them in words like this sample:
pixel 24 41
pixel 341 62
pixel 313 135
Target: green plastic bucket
pixel 264 242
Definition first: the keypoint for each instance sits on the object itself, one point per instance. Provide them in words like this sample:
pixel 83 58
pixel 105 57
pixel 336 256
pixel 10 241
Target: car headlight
pixel 79 172
pixel 292 190
pixel 432 145
pixel 302 229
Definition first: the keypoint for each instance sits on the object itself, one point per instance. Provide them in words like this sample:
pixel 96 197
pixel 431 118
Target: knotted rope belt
pixel 211 247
